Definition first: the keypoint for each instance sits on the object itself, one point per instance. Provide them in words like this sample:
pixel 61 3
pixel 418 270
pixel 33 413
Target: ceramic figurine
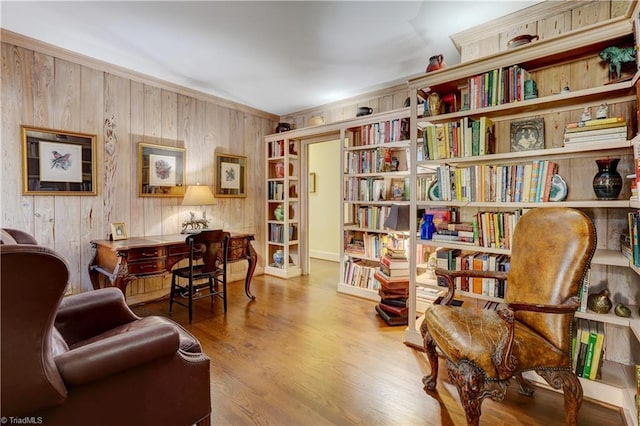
pixel 603 111
pixel 586 114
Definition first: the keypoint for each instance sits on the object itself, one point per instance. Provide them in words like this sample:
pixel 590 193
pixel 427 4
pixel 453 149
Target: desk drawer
pixel 146 253
pixel 151 267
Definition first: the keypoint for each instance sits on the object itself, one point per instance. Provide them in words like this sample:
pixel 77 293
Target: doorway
pixel 322 200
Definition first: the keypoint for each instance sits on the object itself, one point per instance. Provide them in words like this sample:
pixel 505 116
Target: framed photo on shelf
pixel 161 170
pixel 57 162
pixel 397 189
pixel 119 231
pixel 230 176
pixel 527 135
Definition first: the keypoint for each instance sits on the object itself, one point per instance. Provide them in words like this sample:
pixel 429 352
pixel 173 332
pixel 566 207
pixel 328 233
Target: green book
pixel 588 358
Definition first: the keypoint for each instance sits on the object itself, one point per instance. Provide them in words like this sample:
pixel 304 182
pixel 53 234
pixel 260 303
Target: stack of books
pixel 393 277
pixel 588 349
pixel 600 130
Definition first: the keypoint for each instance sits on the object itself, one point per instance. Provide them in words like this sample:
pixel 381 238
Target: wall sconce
pixel 197 195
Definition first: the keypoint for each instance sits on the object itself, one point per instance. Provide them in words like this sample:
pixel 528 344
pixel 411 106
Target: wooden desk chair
pixel 208 252
pixel 552 250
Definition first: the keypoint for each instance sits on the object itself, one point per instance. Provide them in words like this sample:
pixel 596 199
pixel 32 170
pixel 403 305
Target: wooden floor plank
pixel 303 354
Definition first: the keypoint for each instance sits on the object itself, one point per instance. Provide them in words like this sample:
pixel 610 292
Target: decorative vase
pixel 599 302
pixel 607 183
pixel 428 227
pixel 278 213
pixel 278 258
pixel 279 170
pixel 435 63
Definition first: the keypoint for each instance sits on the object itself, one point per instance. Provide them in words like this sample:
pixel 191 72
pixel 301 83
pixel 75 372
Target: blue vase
pixel 278 258
pixel 428 227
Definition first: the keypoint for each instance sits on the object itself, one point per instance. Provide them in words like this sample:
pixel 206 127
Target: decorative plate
pixel 434 191
pixel 558 189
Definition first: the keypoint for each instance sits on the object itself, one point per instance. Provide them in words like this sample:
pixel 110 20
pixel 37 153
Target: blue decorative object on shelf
pixel 278 258
pixel 428 227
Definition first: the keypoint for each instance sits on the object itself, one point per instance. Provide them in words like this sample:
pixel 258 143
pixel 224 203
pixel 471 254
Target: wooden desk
pixel 144 257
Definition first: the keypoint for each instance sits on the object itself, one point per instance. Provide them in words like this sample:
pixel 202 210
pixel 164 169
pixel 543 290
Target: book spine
pixel 588 123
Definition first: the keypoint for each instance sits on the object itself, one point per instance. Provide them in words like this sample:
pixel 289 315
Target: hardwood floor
pixel 303 354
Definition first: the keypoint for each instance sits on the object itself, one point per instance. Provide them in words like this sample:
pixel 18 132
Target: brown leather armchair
pixel 552 250
pixel 87 359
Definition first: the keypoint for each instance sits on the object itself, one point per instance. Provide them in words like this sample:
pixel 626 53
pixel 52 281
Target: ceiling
pixel 279 57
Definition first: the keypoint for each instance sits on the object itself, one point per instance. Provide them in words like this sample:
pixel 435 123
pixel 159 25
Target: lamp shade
pixel 198 195
pixel 398 218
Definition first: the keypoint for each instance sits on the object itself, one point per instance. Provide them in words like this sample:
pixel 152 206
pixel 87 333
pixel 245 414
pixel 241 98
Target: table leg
pixel 252 259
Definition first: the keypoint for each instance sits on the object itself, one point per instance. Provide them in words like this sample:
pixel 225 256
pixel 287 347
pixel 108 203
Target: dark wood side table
pixel 144 257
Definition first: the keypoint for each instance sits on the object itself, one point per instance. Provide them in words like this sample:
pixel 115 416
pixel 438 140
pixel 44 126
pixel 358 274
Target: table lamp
pixel 398 220
pixel 197 195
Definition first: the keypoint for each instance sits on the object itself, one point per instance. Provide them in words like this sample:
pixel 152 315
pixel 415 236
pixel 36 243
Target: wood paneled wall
pixel 42 89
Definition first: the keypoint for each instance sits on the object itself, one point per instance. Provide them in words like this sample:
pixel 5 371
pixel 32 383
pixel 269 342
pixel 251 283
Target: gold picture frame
pixel 161 170
pixel 230 176
pixel 58 162
pixel 119 231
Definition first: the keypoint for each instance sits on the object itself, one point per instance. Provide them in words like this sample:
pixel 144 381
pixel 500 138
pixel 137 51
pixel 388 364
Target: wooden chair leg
pixel 224 293
pixel 526 388
pixel 190 299
pixel 473 389
pixel 572 389
pixel 431 380
pixel 172 293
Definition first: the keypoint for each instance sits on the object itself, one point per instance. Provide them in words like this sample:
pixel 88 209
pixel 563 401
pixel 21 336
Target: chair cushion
pixel 473 335
pixel 188 342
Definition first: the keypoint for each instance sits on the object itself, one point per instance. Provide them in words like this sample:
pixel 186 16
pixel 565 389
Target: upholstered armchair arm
pixel 116 354
pixel 569 305
pixel 449 276
pixel 84 315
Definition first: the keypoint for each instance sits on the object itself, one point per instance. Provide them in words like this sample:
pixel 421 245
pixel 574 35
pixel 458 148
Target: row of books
pixel 604 130
pixel 496 87
pixel 364 244
pixel 359 274
pixel 372 217
pixel 457 260
pixel 463 138
pixel 633 241
pixel 588 348
pixel 523 182
pixel 276 149
pixel 395 130
pixel 276 232
pixel 275 190
pixel 375 189
pixel 379 160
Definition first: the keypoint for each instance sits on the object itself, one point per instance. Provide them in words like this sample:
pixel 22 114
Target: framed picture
pixel 231 175
pixel 161 170
pixel 119 231
pixel 527 135
pixel 57 162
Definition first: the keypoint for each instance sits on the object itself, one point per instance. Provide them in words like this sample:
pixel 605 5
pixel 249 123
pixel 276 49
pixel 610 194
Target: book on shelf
pixel 595 122
pixel 400 293
pixel 391 319
pixel 596 363
pixel 585 132
pixel 401 303
pixel 398 311
pixel 394 273
pixel 394 262
pixel 388 282
pixel 584 290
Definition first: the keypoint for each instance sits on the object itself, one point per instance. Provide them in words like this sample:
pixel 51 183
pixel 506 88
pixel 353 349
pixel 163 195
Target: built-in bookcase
pixel 375 168
pixel 474 92
pixel 282 205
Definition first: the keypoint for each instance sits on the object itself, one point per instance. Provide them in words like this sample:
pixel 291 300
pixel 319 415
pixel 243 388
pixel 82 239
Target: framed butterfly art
pixel 56 162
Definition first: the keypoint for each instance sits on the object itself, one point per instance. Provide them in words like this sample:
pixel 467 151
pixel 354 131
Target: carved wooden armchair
pixel 552 249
